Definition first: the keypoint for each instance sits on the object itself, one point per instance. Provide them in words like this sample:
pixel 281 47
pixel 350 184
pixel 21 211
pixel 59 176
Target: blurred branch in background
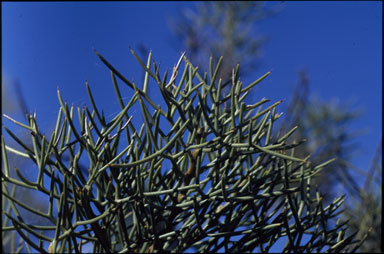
pixel 215 29
pixel 225 29
pixel 327 123
pixel 366 210
pixel 328 126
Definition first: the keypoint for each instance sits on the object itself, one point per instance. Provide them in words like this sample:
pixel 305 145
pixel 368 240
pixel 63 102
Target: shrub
pixel 204 173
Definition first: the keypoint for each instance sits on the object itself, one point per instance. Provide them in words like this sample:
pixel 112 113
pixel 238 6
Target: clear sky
pixel 46 45
pixel 49 45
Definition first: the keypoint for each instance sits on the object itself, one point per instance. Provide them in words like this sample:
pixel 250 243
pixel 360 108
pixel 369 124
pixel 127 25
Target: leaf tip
pixel 94 50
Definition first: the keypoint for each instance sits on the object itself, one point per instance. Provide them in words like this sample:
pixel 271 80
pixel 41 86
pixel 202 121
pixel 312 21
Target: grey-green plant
pixel 14 104
pixel 194 176
pixel 230 28
pixel 327 125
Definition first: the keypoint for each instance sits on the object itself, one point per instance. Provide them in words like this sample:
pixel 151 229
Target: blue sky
pixel 50 45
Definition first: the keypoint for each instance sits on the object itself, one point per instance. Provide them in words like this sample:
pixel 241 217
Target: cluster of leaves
pixel 196 175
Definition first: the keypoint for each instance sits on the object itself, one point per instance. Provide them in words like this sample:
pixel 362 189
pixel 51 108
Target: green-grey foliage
pixel 215 28
pixel 194 176
pixel 327 125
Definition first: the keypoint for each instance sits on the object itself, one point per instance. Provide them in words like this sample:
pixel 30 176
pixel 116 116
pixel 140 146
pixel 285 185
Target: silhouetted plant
pixel 194 176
